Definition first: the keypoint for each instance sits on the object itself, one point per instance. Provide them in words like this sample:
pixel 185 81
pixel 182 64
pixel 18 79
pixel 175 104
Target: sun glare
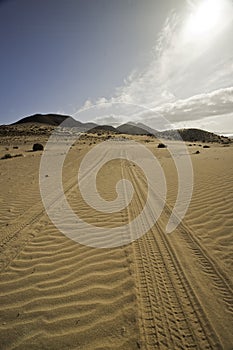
pixel 205 18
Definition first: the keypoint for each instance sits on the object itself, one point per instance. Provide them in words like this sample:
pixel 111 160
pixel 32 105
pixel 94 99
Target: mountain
pixel 148 129
pixel 103 128
pixel 55 120
pixel 45 123
pixel 132 129
pixel 50 119
pixel 192 135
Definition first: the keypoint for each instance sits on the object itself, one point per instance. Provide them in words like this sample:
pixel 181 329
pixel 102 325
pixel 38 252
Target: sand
pixel 160 292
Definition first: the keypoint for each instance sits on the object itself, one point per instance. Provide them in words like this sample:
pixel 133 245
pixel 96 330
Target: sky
pixel 167 64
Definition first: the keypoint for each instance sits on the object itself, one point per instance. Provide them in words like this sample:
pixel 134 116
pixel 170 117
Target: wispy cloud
pixel 187 79
pixel 216 103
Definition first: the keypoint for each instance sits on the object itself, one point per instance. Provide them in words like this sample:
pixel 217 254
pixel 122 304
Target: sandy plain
pixel 159 292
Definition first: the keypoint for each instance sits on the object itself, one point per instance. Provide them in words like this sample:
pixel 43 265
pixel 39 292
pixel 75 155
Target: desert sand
pixel 163 291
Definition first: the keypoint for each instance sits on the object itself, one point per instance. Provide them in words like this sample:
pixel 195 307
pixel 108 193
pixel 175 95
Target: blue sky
pixel 173 57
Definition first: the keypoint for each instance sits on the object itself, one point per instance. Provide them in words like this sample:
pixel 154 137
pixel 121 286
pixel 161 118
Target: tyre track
pixel 221 282
pixel 167 298
pixel 172 316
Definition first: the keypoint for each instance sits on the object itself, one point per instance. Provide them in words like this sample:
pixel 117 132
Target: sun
pixel 205 17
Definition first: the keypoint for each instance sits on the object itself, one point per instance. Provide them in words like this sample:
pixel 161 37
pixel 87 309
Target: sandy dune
pixel 160 292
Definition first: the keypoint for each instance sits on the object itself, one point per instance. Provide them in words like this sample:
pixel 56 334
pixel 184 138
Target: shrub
pixel 197 152
pixel 205 146
pixel 37 147
pixel 7 156
pixel 161 145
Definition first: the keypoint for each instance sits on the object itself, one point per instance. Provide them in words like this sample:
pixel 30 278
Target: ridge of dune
pixel 159 292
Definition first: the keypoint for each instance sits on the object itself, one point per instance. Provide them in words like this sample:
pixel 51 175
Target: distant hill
pixel 187 135
pixel 54 120
pixel 132 129
pixel 193 135
pixel 45 123
pixel 148 129
pixel 103 128
pixel 50 119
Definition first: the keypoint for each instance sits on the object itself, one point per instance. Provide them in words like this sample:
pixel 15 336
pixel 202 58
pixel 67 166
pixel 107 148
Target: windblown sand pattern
pixel 212 202
pixel 160 292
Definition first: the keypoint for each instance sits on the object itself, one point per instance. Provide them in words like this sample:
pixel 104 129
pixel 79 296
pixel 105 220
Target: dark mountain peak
pixel 132 129
pixel 193 135
pixel 50 119
pixel 148 128
pixel 103 128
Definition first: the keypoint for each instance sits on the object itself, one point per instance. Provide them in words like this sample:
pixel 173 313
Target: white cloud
pixel 87 104
pixel 200 106
pixel 216 103
pixel 185 79
pixel 101 100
